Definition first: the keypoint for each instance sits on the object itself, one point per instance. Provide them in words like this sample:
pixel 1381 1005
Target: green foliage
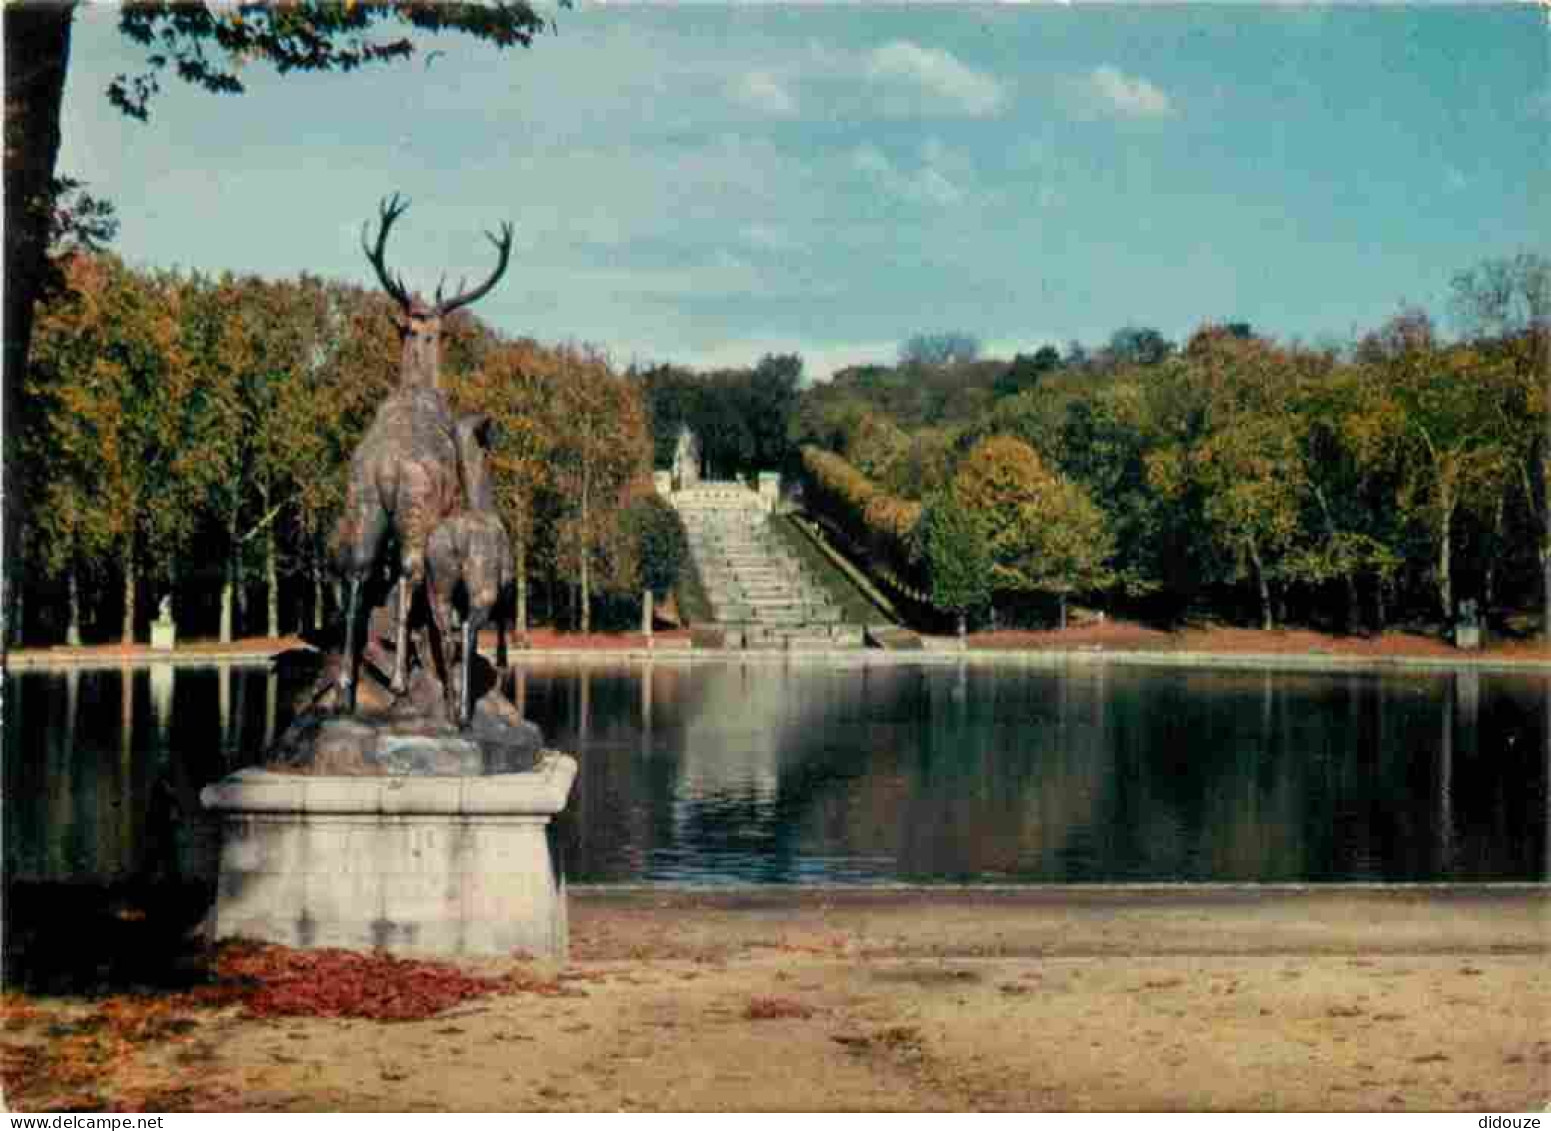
pixel 740 416
pixel 208 45
pixel 176 421
pixel 950 347
pixel 1026 370
pixel 949 541
pixel 870 519
pixel 662 541
pixel 1041 531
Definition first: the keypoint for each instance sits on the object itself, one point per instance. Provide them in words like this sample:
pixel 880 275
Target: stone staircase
pixel 757 587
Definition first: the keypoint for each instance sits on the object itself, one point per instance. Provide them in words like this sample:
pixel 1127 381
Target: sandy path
pixel 1067 999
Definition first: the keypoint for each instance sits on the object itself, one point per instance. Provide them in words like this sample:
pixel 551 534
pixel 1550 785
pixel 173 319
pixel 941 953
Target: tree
pixel 1026 370
pixel 673 396
pixel 1499 298
pixel 1431 417
pixel 875 445
pixel 125 407
pixel 202 44
pixel 601 447
pixel 1138 345
pixel 662 546
pixel 1232 450
pixel 1510 300
pixel 952 347
pixel 949 542
pixel 1041 530
pixel 771 401
pixel 512 387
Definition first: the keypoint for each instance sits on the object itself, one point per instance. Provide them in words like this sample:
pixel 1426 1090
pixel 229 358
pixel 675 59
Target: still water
pixel 760 772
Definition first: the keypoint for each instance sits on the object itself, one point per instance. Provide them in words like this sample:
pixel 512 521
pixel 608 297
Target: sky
pixel 707 183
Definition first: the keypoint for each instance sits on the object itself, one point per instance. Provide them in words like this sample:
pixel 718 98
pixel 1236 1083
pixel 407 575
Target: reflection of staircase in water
pixel 756 585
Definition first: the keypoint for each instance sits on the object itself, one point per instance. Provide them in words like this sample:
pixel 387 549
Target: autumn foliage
pixel 190 435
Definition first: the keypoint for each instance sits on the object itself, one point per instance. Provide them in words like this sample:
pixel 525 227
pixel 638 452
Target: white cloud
pixel 943 179
pixel 938 75
pixel 1116 92
pixel 763 92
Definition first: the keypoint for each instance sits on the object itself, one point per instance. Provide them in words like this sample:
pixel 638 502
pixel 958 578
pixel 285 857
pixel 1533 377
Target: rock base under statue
pixel 407 735
pixel 450 866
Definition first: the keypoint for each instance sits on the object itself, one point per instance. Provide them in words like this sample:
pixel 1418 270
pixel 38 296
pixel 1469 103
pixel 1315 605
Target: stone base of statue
pixel 392 828
pixel 164 635
pixel 435 865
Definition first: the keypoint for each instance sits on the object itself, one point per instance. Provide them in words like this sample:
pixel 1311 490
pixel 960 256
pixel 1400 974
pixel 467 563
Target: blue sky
pixel 707 183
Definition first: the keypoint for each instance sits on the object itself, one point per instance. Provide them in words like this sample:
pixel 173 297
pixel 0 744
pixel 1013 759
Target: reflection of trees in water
pixel 103 767
pixel 1085 772
pixel 1010 767
pixel 772 771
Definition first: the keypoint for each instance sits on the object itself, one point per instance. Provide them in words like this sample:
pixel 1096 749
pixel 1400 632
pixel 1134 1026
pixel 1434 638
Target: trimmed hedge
pixel 873 521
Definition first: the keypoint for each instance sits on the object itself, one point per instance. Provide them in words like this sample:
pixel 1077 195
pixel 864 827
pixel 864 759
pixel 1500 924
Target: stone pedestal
pixel 420 865
pixel 769 490
pixel 1467 637
pixel 164 635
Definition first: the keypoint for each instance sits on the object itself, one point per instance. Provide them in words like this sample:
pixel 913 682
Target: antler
pixel 503 246
pixel 389 210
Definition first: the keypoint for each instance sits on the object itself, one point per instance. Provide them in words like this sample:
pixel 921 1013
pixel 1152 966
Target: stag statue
pixel 470 551
pixel 404 475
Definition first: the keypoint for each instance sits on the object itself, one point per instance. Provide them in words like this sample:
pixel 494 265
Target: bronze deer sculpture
pixel 469 550
pixel 404 474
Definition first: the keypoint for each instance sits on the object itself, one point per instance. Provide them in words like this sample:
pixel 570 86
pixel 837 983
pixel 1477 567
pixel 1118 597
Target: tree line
pixel 189 436
pixel 1351 487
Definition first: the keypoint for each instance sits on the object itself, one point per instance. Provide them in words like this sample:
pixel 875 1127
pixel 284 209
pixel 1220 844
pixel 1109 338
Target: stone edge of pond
pixel 139 658
pixel 936 655
pixel 1054 890
pixel 869 657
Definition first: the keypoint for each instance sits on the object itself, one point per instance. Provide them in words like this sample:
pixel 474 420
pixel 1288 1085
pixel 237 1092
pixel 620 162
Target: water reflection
pixel 761 772
pixel 766 773
pixel 103 767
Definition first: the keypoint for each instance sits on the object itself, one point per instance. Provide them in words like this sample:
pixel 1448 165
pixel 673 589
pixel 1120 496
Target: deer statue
pixel 469 550
pixel 404 475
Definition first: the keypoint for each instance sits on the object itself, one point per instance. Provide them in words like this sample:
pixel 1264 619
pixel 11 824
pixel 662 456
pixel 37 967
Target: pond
pixel 771 773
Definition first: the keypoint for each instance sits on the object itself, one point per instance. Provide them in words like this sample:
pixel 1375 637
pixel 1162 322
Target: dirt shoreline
pixel 1092 999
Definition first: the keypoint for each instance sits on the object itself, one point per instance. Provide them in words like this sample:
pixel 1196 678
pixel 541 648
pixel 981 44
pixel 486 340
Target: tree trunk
pixel 73 628
pixel 131 579
pixel 227 585
pixel 317 598
pixel 1489 571
pixel 586 573
pixel 172 592
pixel 1445 562
pixel 1349 617
pixel 18 613
pixel 1545 542
pixel 271 582
pixel 37 55
pixel 520 627
pixel 240 591
pixel 646 613
pixel 1062 600
pixel 1381 620
pixel 1267 617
